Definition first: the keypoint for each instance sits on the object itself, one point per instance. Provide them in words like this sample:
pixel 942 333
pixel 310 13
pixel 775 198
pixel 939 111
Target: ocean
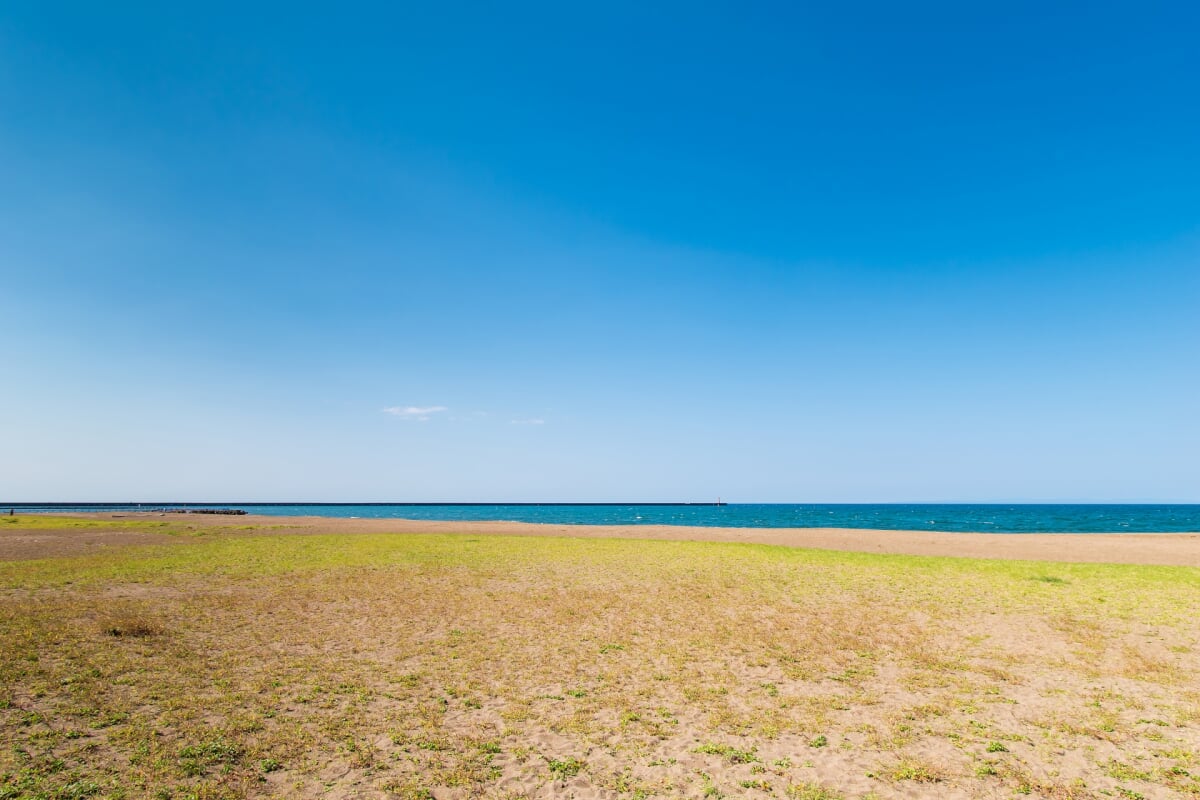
pixel 991 518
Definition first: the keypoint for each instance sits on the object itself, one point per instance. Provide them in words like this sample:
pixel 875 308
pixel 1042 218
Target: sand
pixel 446 668
pixel 1169 549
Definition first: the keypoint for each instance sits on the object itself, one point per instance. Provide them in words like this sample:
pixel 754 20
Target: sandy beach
pixel 392 388
pixel 156 656
pixel 1168 549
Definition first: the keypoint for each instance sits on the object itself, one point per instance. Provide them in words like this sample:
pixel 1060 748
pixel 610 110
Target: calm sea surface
pixel 989 518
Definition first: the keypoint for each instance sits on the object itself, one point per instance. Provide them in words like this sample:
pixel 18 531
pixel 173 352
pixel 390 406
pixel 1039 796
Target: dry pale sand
pixel 1174 549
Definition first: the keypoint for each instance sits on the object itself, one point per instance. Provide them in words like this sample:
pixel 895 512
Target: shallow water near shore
pixel 988 518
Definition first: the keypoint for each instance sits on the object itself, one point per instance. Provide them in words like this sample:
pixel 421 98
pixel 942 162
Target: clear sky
pixel 564 251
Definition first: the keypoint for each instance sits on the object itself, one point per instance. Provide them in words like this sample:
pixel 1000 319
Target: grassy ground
pixel 31 522
pixel 240 665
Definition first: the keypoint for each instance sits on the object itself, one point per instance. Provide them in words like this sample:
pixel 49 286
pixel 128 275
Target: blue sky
pixel 836 252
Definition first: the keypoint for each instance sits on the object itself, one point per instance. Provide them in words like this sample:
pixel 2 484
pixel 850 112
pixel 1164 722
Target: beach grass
pixel 171 527
pixel 56 523
pixel 242 665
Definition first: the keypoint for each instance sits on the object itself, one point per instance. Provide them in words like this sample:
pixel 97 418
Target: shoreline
pixel 1167 549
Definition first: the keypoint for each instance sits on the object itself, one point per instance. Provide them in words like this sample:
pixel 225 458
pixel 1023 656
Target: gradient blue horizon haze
pixel 774 253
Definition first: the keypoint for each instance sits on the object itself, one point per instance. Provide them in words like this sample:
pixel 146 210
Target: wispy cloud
pixel 419 413
pixel 425 413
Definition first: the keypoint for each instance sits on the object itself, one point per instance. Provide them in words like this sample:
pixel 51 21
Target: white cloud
pixel 419 413
pixel 528 422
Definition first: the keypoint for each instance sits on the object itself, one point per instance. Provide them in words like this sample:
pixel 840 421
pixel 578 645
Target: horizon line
pixel 700 503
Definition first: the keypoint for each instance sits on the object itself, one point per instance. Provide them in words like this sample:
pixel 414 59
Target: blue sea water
pixel 923 517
